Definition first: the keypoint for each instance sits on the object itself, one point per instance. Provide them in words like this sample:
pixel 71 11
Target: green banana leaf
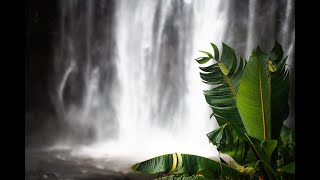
pixel 202 60
pixel 280 86
pixel 263 94
pixel 287 172
pixel 222 136
pixel 286 147
pixel 263 150
pixel 228 59
pixel 228 142
pixel 254 100
pixel 288 169
pixel 225 76
pixel 276 53
pixel 190 165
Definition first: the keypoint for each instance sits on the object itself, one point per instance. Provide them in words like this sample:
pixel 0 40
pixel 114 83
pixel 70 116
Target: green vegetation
pixel 249 100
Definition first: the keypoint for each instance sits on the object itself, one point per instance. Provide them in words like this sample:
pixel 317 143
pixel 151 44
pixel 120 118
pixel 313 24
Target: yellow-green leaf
pixel 224 68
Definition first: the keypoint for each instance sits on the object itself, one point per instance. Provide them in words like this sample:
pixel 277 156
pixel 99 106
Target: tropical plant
pixel 249 100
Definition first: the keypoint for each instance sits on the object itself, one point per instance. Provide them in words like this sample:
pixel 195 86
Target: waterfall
pixel 251 34
pixel 126 82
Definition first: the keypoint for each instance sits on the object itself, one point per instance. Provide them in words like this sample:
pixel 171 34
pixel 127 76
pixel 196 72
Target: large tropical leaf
pixel 263 94
pixel 286 147
pixel 186 165
pixel 287 172
pixel 228 142
pixel 158 164
pixel 224 75
pixel 280 85
pixel 222 136
pixel 276 53
pixel 288 169
pixel 263 150
pixel 253 100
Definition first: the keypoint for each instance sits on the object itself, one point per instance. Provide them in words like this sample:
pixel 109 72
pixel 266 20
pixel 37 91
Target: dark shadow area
pixel 40 32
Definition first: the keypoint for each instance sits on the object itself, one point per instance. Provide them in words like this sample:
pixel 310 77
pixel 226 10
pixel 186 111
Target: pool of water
pixel 62 165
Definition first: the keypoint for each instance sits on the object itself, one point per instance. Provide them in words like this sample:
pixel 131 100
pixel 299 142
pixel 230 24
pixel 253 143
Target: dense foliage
pixel 249 100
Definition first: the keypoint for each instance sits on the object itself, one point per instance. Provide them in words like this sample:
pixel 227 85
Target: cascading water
pixel 161 108
pixel 153 103
pixel 125 82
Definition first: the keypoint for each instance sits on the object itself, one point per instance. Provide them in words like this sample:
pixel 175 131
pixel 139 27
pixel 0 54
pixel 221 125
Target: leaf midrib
pixel 262 107
pixel 230 85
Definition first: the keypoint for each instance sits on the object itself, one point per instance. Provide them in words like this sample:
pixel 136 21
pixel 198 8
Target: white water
pixel 141 134
pixel 251 34
pixel 157 92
